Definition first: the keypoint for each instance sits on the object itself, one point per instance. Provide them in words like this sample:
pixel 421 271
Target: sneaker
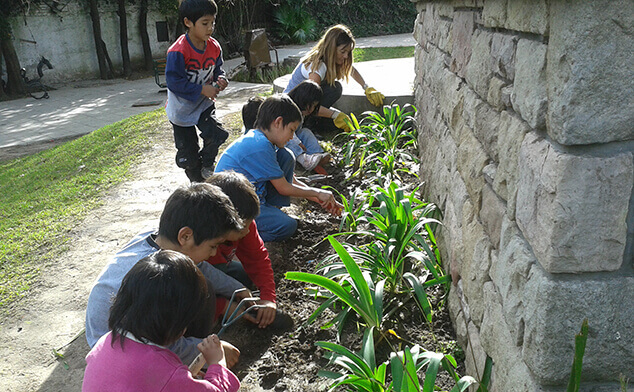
pixel 309 161
pixel 206 172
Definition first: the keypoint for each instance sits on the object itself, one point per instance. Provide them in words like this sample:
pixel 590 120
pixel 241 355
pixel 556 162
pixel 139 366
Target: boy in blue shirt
pixel 194 78
pixel 261 156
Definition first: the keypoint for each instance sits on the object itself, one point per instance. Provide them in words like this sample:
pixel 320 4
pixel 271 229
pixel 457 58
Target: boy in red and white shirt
pixel 254 265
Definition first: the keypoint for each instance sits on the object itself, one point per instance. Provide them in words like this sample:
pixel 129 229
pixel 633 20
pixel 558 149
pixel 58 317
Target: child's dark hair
pixel 250 112
pixel 278 105
pixel 196 9
pixel 240 191
pixel 204 208
pixel 305 94
pixel 159 298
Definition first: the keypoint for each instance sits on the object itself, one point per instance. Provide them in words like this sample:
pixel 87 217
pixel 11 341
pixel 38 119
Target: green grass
pixel 369 54
pixel 46 194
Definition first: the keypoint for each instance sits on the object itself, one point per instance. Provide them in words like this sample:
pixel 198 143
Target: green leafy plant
pixel 353 213
pixel 360 372
pixel 294 24
pixel 357 291
pixel 580 347
pixel 384 145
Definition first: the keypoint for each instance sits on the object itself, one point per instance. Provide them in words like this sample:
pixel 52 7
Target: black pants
pixel 189 155
pixel 330 96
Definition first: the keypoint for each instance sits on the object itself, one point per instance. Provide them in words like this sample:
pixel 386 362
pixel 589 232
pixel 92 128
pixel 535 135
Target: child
pixel 328 61
pixel 254 266
pixel 158 299
pixel 250 112
pixel 305 145
pixel 194 78
pixel 194 222
pixel 260 155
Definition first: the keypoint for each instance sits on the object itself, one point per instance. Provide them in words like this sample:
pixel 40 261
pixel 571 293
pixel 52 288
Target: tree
pixel 123 37
pixel 105 65
pixel 145 39
pixel 15 84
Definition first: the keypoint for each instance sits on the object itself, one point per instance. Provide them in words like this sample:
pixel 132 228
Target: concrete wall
pixel 65 38
pixel 526 115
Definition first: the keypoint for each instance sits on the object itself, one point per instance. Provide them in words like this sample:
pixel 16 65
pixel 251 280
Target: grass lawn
pixel 369 54
pixel 45 194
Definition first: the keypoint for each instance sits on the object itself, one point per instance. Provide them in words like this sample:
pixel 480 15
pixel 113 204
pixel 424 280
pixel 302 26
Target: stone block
pixel 475 357
pixel 590 68
pixel 471 160
pixel 529 95
pixel 555 309
pixel 510 275
pixel 456 303
pixel 418 29
pixel 503 48
pixel 463 28
pixel 494 97
pixel 489 173
pixel 572 209
pixel 449 92
pixel 510 373
pixel 510 136
pixel 491 214
pixel 494 13
pixel 476 264
pixel 443 31
pixel 487 123
pixel 529 16
pixel 479 71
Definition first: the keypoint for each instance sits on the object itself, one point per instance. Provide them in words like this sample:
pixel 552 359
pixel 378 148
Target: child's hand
pixel 222 82
pixel 210 91
pixel 328 202
pixel 266 315
pixel 212 350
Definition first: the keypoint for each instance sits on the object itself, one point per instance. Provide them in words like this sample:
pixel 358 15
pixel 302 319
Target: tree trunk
pixel 104 72
pixel 145 39
pixel 123 36
pixel 15 84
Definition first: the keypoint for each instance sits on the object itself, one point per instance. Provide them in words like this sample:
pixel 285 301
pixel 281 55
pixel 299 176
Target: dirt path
pixel 52 315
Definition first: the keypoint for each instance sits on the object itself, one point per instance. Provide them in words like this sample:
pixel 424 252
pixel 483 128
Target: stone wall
pixel 526 115
pixel 65 38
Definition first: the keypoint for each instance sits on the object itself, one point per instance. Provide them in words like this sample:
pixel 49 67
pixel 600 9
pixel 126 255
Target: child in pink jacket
pixel 159 297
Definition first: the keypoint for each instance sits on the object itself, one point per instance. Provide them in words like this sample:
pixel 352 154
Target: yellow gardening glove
pixel 375 97
pixel 343 122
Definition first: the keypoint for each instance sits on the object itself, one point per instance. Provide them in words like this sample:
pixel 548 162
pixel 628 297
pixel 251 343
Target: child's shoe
pixel 310 161
pixel 320 170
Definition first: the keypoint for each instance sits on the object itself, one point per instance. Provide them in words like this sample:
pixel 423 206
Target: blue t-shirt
pixel 253 155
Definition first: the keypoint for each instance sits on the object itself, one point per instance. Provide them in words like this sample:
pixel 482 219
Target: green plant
pixel 362 374
pixel 382 144
pixel 356 290
pixel 580 348
pixel 353 213
pixel 294 24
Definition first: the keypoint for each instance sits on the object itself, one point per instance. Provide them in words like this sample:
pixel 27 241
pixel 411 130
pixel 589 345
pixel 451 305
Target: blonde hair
pixel 326 51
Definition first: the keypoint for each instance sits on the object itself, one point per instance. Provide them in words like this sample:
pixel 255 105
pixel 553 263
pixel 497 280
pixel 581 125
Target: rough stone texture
pixel 463 27
pixel 555 308
pixel 510 373
pixel 471 160
pixel 485 127
pixel 456 304
pixel 491 213
pixel 529 96
pixel 510 136
pixel 510 274
pixel 591 63
pixel 475 356
pixel 572 209
pixel 527 15
pixel 479 70
pixel 494 97
pixel 476 263
pixel 503 48
pixel 494 13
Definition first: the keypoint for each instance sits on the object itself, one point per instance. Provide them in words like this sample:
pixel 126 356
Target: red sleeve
pixel 256 262
pixel 224 253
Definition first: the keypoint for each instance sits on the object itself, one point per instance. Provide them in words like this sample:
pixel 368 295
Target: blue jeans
pixel 273 223
pixel 308 140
